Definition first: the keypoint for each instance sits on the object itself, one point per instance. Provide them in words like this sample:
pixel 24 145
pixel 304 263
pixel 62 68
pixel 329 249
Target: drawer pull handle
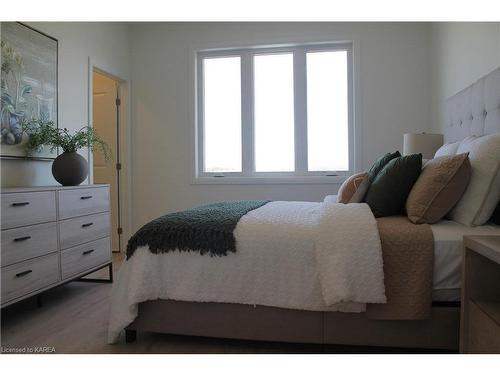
pixel 86 197
pixel 88 252
pixel 19 239
pixel 20 274
pixel 87 225
pixel 19 204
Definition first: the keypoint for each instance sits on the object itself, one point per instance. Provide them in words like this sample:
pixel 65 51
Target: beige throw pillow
pixel 349 187
pixel 360 192
pixel 438 188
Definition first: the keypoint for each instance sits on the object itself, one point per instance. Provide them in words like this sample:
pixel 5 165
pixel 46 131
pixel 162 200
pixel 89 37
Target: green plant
pixel 45 133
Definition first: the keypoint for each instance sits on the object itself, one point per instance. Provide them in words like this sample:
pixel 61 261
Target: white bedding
pixel 349 254
pixel 275 264
pixel 448 240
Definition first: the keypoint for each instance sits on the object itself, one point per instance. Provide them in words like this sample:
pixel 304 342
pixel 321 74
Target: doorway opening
pixel 106 121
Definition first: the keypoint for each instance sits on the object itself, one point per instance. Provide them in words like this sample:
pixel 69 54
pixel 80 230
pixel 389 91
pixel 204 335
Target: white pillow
pixel 447 149
pixel 465 144
pixel 481 196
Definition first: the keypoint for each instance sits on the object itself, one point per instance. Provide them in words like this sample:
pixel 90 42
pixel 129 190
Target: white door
pixel 105 93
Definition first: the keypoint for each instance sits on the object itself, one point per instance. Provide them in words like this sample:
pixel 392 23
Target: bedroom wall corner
pixel 460 54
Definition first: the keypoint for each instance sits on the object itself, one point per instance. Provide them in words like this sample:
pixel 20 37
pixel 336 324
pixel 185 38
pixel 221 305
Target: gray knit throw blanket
pixel 205 229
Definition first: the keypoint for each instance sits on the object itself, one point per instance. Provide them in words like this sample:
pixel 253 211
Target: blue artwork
pixel 28 85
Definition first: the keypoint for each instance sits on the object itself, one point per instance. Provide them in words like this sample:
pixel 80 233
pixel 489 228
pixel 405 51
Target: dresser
pixel 480 315
pixel 52 235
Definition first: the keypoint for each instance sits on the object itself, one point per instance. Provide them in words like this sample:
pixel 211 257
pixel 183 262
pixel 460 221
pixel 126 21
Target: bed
pixel 185 293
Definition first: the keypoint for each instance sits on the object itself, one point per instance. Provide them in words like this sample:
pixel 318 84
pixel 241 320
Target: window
pixel 274 119
pixel 222 114
pixel 275 112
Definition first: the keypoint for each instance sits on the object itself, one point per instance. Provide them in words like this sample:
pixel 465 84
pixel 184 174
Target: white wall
pixel 404 73
pixel 392 98
pixel 461 53
pixel 107 45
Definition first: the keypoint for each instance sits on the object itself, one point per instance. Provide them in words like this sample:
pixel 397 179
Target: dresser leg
pixel 130 335
pixel 111 272
pixel 92 280
pixel 39 303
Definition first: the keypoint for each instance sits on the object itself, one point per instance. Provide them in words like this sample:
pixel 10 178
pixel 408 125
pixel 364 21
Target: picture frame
pixel 29 87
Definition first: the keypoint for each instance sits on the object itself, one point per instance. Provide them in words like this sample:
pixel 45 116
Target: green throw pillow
pixel 360 193
pixel 380 164
pixel 390 188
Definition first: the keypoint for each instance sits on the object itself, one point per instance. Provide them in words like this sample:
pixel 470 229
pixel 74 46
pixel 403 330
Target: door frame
pixel 124 175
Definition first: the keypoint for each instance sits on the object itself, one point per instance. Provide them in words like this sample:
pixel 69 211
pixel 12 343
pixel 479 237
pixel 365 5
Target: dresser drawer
pixel 84 257
pixel 83 229
pixel 24 243
pixel 80 202
pixel 28 276
pixel 20 209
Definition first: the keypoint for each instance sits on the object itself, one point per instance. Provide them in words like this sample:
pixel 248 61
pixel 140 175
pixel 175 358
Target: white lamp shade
pixel 422 143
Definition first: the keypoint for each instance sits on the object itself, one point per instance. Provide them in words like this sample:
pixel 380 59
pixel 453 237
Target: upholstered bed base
pixel 236 321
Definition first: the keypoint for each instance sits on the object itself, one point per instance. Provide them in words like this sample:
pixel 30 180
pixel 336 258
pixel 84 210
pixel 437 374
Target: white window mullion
pixel 350 85
pixel 300 98
pixel 247 113
pixel 200 119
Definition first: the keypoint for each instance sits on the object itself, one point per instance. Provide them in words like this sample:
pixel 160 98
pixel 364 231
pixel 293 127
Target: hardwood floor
pixel 73 319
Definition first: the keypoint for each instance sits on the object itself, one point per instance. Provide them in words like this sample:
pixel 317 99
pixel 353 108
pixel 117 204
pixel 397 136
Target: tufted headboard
pixel 475 110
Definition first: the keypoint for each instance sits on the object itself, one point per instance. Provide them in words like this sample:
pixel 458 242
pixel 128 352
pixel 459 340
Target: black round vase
pixel 70 169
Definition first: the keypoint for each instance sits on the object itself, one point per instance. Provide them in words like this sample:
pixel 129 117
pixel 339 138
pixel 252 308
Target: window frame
pixel 248 173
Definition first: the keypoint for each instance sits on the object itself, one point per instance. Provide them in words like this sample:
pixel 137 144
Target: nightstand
pixel 480 312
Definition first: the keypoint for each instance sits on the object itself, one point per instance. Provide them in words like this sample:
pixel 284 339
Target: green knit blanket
pixel 205 229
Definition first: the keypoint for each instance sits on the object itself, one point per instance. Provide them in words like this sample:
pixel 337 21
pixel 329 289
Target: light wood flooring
pixel 73 319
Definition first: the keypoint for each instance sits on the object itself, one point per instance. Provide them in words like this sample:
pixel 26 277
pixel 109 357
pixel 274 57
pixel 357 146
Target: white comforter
pixel 297 255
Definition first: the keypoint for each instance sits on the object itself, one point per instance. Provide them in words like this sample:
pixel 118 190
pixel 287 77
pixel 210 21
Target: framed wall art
pixel 28 86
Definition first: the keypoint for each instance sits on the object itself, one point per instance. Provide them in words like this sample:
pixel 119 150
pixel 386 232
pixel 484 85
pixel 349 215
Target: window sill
pixel 268 180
